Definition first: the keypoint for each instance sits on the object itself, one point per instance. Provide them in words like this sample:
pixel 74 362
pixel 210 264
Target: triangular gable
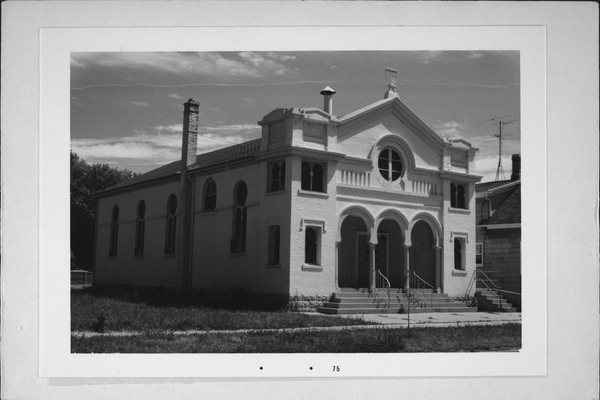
pixel 392 106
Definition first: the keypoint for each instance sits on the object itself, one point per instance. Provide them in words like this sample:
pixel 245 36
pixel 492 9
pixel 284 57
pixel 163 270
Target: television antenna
pixel 500 122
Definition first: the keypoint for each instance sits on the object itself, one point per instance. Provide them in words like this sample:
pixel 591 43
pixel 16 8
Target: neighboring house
pixel 318 203
pixel 499 232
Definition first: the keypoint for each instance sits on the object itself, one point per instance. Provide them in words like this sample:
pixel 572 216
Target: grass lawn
pixel 455 339
pixel 95 312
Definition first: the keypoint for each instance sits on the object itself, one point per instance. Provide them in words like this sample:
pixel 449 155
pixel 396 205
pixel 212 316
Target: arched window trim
pixel 209 195
pixel 139 228
pixel 114 232
pixel 240 197
pixel 171 225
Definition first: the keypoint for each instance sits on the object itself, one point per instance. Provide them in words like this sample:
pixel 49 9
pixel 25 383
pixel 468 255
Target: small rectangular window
pixel 479 254
pixel 274 244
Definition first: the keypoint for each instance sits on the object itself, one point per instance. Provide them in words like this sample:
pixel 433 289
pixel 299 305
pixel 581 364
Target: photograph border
pixel 58 44
pixel 572 194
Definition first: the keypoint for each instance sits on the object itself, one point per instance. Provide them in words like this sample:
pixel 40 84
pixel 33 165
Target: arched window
pixel 274 244
pixel 458 254
pixel 390 164
pixel 171 225
pixel 312 176
pixel 114 232
pixel 276 174
pixel 311 242
pixel 457 195
pixel 210 196
pixel 238 241
pixel 139 228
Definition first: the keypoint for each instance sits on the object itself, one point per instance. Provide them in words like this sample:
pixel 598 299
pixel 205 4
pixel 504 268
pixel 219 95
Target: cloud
pixel 452 129
pixel 281 57
pixel 212 64
pixel 175 96
pixel 160 145
pixel 134 103
pixel 487 166
pixel 429 56
pixel 264 63
pixel 475 55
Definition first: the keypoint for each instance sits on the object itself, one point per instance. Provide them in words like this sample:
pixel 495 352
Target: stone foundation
pixel 306 303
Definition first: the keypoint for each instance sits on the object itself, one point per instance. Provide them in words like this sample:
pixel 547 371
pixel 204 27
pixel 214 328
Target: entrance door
pixel 362 257
pixel 362 260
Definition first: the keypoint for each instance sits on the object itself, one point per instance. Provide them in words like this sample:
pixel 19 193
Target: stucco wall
pixel 213 263
pixel 153 268
pixel 319 209
pixel 358 140
pixel 458 223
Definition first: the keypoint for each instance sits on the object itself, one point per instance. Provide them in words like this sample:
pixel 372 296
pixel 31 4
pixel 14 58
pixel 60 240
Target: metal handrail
pixel 383 282
pixel 415 283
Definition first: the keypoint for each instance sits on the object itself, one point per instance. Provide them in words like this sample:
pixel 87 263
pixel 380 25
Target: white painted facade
pixel 362 220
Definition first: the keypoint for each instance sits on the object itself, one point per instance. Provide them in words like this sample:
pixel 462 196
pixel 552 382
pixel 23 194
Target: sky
pixel 127 107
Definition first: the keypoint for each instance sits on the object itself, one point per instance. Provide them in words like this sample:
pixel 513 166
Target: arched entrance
pixel 389 257
pixel 353 253
pixel 422 252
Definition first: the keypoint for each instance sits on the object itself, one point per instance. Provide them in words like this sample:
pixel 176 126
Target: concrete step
pixel 384 304
pixel 349 295
pixel 393 310
pixel 396 299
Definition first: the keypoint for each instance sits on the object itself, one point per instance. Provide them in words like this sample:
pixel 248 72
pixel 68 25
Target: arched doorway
pixel 389 252
pixel 422 253
pixel 353 253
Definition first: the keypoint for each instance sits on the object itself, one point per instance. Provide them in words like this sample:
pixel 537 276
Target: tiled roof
pixel 226 155
pixel 509 211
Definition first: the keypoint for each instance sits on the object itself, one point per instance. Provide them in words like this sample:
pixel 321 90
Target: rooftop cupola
pixel 328 99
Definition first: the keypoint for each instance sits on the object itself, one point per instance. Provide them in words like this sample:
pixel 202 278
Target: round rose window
pixel 390 164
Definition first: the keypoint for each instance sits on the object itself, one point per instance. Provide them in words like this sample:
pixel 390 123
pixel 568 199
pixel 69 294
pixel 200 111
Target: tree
pixel 86 181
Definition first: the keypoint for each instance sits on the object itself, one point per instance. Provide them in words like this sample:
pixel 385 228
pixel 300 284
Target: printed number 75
pixel 336 368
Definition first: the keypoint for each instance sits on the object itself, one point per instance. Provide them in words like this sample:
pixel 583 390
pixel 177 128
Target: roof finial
pixel 390 75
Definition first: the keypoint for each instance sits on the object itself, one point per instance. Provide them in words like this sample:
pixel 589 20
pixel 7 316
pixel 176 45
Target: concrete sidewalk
pixel 437 319
pixel 419 320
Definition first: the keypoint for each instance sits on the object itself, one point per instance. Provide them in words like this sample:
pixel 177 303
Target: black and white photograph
pixel 375 185
pixel 299 200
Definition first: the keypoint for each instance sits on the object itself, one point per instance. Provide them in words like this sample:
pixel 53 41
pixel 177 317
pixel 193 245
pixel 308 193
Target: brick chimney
pixel 328 99
pixel 190 133
pixel 516 167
